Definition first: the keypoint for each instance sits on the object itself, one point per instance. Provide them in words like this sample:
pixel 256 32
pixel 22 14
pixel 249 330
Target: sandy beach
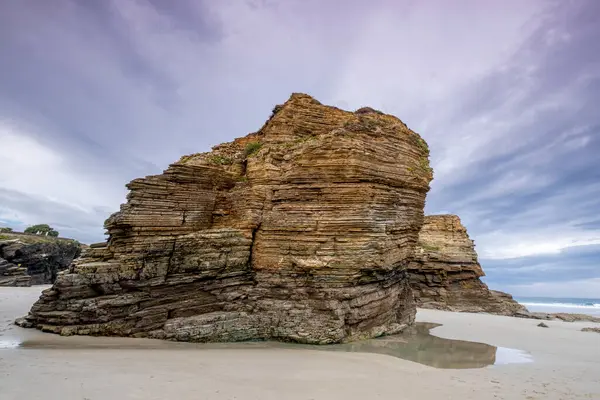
pixel 561 363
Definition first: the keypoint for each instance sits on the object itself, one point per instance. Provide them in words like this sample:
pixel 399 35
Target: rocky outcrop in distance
pixel 445 273
pixel 27 260
pixel 565 317
pixel 302 231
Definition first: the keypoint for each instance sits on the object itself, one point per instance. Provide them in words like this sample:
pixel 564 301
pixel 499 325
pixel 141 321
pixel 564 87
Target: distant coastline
pixel 590 306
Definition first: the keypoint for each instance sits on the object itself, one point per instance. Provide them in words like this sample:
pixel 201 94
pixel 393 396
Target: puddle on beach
pixel 419 345
pixel 9 344
pixel 416 344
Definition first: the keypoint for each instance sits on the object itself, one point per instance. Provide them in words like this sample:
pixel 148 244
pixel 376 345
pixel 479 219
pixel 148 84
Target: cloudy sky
pixel 96 93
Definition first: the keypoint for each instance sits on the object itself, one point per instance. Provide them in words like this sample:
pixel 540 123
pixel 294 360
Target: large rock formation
pixel 301 231
pixel 445 272
pixel 32 260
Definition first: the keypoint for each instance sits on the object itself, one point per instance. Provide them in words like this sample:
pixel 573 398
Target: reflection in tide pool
pixel 418 345
pixel 504 355
pixel 415 344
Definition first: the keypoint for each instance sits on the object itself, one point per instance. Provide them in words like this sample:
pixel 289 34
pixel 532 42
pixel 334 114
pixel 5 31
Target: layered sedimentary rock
pixel 31 260
pixel 13 275
pixel 445 272
pixel 301 231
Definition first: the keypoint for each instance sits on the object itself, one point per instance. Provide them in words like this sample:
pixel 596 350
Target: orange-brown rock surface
pixel 445 272
pixel 301 231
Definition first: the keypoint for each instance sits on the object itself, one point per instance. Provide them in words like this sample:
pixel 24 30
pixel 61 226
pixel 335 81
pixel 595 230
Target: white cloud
pixel 530 242
pixel 35 169
pixel 413 60
pixel 584 288
pixel 556 222
pixel 134 82
pixel 32 170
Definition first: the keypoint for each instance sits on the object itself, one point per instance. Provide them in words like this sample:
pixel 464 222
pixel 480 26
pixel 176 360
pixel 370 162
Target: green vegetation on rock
pixel 420 143
pixel 186 158
pixel 252 148
pixel 42 229
pixel 429 247
pixel 220 160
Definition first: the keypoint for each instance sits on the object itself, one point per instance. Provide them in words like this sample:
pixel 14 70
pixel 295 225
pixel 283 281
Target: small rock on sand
pixel 597 330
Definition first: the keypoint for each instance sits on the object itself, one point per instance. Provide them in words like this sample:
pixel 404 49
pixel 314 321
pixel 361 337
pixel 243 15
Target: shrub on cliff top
pixel 42 229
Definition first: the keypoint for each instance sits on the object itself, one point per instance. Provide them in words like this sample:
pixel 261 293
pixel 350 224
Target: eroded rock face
pixel 301 231
pixel 29 260
pixel 13 275
pixel 445 272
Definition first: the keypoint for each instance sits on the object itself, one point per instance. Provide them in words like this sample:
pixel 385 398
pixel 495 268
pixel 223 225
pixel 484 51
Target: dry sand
pixel 566 365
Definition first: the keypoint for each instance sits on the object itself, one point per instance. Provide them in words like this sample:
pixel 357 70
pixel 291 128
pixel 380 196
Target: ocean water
pixel 588 306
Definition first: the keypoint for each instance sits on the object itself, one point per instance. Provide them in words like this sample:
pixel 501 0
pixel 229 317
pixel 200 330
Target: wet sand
pixel 566 364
